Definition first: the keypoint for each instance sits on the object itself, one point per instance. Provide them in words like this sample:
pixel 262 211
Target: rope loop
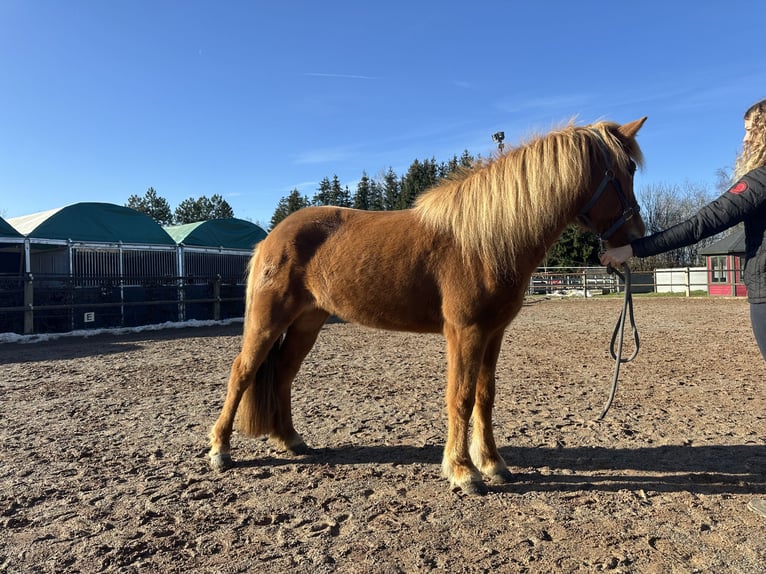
pixel 619 329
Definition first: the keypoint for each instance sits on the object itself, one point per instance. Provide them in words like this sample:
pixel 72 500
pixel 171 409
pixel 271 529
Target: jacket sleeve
pixel 743 198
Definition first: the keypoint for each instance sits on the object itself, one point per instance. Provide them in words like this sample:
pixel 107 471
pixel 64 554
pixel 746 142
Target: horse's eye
pixel 632 167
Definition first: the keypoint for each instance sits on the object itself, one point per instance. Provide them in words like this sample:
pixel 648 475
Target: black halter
pixel 629 210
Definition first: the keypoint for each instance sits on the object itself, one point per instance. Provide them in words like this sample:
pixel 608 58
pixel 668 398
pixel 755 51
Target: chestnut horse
pixel 458 263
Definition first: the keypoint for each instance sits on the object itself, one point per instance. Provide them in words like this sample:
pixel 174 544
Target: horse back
pixel 381 269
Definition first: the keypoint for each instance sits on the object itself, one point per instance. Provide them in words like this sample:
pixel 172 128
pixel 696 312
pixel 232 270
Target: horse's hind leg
pixel 276 420
pixel 255 347
pixel 299 340
pixel 484 453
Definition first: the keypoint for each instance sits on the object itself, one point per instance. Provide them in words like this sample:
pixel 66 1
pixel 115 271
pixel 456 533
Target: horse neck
pixel 561 179
pixel 548 209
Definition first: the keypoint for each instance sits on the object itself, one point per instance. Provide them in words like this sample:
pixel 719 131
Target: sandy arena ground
pixel 103 462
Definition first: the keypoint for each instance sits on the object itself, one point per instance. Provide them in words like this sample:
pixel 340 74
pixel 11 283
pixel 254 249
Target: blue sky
pixel 100 100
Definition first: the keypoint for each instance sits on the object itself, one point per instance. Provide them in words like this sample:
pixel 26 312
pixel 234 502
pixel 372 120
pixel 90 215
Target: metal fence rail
pixel 61 303
pixel 589 281
pixel 47 303
pixel 578 280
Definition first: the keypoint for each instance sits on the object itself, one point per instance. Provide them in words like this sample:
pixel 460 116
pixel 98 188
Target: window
pixel 718 268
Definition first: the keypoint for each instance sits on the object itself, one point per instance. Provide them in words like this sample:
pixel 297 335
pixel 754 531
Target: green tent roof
pixel 7 230
pixel 96 222
pixel 230 233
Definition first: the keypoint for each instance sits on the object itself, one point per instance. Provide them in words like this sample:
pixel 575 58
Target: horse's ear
pixel 630 129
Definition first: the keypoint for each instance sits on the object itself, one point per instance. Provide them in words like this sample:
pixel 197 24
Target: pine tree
pixel 288 205
pixel 391 190
pixel 339 196
pixel 411 185
pixel 376 196
pixel 362 195
pixel 323 196
pixel 220 208
pixel 202 209
pixel 455 164
pixel 420 177
pixel 152 205
pixel 466 160
pixel 576 247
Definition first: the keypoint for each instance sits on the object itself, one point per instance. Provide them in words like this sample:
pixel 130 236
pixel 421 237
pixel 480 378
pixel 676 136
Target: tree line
pixel 388 191
pixel 189 210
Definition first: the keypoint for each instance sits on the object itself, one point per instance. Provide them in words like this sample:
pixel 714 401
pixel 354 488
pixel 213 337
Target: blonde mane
pixel 497 209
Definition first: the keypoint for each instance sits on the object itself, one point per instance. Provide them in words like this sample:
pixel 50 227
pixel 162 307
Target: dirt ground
pixel 103 462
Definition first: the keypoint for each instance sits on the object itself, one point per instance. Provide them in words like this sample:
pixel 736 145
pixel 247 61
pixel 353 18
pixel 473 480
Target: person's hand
pixel 616 256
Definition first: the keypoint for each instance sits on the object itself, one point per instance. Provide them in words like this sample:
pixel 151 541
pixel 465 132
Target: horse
pixel 458 262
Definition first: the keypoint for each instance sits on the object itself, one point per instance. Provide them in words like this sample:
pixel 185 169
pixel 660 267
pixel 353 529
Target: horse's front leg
pixel 484 453
pixel 465 348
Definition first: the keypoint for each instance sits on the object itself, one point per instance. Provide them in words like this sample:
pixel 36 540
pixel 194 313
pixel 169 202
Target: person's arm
pixel 727 210
pixel 743 198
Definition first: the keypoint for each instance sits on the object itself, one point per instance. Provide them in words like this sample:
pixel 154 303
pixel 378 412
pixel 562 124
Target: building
pixel 725 262
pixel 92 265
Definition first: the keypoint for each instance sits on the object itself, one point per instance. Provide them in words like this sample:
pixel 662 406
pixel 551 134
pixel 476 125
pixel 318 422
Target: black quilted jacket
pixel 744 201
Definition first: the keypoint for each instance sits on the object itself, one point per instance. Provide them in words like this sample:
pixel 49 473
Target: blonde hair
pixel 753 154
pixel 495 209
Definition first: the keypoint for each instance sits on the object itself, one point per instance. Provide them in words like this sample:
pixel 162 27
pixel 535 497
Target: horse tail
pixel 250 281
pixel 259 410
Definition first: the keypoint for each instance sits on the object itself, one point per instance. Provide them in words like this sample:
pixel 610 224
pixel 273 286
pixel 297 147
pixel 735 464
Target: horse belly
pixel 381 300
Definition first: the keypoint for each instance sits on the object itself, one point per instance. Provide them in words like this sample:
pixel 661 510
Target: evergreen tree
pixel 339 196
pixel 288 205
pixel 391 190
pixel 323 196
pixel 220 208
pixel 411 185
pixel 376 196
pixel 420 177
pixel 202 209
pixel 455 165
pixel 363 193
pixel 448 168
pixel 466 160
pixel 152 205
pixel 576 247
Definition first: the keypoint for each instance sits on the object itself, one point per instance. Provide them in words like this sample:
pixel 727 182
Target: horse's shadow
pixel 714 469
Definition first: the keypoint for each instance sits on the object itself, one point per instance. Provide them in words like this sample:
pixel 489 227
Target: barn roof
pixel 96 222
pixel 731 244
pixel 7 230
pixel 230 233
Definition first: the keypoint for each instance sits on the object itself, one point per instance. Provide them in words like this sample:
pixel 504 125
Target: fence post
pixel 687 281
pixel 585 283
pixel 181 298
pixel 217 297
pixel 29 309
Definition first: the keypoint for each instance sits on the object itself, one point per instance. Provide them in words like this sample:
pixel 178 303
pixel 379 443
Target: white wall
pixel 675 280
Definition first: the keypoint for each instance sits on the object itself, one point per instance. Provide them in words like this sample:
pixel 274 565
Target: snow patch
pixel 37 338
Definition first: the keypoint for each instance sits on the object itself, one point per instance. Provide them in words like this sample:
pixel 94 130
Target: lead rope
pixel 619 328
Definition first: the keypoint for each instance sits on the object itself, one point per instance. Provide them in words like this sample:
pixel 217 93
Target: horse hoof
pixel 300 448
pixel 503 476
pixel 473 488
pixel 221 461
